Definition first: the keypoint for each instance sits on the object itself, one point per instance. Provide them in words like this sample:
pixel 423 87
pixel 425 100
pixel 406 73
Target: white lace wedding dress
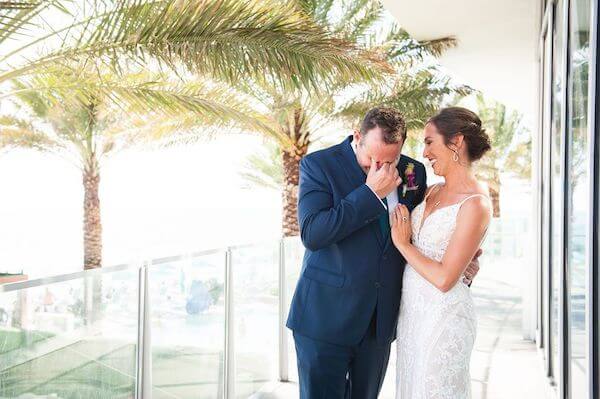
pixel 436 330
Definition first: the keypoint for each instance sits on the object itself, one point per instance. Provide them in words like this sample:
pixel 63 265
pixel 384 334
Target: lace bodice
pixel 432 235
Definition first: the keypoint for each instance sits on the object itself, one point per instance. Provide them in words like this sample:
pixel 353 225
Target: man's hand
pixel 472 268
pixel 384 180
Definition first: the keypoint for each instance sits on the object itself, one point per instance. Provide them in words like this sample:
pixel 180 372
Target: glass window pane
pixel 556 185
pixel 545 205
pixel 578 206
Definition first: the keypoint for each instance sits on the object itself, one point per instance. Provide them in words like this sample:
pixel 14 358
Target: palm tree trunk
pixel 291 156
pixel 494 188
pixel 291 178
pixel 92 225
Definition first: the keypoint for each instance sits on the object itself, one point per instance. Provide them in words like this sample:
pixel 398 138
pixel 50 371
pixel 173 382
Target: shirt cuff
pixel 375 194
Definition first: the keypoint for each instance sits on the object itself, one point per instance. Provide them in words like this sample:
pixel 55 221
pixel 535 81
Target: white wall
pixel 497 44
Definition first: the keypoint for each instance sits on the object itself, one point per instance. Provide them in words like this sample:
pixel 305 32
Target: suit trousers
pixel 329 371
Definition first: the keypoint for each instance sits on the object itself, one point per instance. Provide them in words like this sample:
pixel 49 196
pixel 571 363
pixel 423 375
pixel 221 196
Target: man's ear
pixel 357 136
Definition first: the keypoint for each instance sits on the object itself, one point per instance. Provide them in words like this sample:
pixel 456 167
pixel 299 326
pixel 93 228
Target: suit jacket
pixel 350 269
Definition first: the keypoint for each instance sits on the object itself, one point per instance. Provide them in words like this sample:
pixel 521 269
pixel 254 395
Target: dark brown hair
pixel 452 121
pixel 389 120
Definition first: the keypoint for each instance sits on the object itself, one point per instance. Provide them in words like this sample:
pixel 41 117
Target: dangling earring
pixel 455 156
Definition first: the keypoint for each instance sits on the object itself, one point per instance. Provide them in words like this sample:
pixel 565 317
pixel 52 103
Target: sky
pixel 154 203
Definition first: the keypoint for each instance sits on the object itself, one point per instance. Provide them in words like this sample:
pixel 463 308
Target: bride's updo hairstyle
pixel 452 121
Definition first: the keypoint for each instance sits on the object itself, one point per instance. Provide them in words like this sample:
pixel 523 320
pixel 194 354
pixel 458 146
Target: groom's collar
pixel 349 162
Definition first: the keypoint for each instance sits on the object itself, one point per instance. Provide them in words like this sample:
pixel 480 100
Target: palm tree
pixel 503 127
pixel 294 119
pixel 230 39
pixel 110 115
pixel 61 76
pixel 224 39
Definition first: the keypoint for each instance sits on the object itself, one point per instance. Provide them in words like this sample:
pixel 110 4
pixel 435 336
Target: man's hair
pixel 389 120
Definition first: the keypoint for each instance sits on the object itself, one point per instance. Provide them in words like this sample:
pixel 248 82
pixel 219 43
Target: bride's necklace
pixel 435 204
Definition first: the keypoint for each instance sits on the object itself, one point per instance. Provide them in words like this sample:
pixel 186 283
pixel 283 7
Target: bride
pixel 437 324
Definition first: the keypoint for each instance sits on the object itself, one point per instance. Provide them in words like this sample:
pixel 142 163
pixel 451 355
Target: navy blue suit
pixel 345 307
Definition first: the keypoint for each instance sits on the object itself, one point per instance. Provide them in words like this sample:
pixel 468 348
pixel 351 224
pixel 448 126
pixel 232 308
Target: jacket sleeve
pixel 321 222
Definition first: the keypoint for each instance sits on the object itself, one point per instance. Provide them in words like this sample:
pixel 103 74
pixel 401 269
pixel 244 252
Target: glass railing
pixel 70 337
pixel 204 325
pixel 186 296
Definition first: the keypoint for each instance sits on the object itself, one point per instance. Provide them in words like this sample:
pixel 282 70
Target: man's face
pixel 371 146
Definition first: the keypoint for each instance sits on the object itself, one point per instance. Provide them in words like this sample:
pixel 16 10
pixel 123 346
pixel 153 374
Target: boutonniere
pixel 409 183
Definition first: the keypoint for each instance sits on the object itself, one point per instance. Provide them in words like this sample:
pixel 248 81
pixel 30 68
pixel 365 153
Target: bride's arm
pixel 472 222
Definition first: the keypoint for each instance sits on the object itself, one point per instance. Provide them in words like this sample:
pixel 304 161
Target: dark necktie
pixel 384 220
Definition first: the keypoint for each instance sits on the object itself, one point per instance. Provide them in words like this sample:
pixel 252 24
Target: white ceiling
pixel 497 43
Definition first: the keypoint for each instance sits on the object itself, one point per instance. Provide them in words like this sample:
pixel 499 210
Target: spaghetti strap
pixel 473 196
pixel 433 188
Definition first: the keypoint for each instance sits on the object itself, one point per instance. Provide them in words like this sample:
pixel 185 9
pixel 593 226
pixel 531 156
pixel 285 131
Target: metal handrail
pixel 60 278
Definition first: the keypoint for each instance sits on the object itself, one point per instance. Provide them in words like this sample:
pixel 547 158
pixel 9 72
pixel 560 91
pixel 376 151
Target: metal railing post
pixel 229 367
pixel 283 337
pixel 143 372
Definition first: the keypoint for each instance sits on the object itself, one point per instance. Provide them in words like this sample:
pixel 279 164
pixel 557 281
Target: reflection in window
pixel 556 184
pixel 578 206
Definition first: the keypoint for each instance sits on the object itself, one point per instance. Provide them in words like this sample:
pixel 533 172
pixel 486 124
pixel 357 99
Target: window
pixel 578 185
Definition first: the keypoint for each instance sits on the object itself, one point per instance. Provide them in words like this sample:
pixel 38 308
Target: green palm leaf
pixel 228 39
pixel 19 133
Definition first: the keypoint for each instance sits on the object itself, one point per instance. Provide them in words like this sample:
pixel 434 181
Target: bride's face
pixel 436 150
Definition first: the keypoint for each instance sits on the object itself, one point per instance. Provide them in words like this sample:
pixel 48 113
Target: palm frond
pixel 359 18
pixel 264 169
pixel 17 5
pixel 96 111
pixel 19 133
pixel 16 16
pixel 318 10
pixel 416 95
pixel 401 48
pixel 209 102
pixel 228 39
pixel 437 47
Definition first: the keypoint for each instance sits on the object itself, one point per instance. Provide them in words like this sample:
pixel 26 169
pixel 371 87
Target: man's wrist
pixel 375 193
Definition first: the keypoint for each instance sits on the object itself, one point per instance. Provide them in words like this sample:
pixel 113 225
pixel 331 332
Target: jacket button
pixel 377 285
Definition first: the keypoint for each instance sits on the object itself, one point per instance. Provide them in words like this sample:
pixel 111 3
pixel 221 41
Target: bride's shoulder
pixel 477 205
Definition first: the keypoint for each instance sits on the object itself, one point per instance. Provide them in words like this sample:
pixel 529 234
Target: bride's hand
pixel 401 226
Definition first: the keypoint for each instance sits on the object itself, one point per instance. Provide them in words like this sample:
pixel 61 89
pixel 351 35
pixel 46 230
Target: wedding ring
pixel 404 218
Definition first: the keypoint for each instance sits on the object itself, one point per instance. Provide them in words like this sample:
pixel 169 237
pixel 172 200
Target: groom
pixel 345 307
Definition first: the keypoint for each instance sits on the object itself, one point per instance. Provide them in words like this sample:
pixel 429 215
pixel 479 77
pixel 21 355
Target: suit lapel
pixel 357 176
